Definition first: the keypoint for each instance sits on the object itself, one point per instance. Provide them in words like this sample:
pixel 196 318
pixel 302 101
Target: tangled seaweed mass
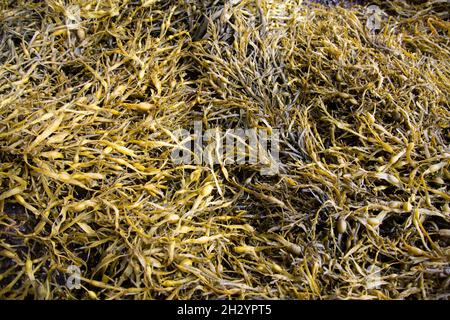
pixel 91 93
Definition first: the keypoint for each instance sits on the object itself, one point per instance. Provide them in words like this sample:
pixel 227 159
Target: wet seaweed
pixel 92 91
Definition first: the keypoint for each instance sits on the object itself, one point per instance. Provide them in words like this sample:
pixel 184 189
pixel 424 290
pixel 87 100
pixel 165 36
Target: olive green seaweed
pixel 91 93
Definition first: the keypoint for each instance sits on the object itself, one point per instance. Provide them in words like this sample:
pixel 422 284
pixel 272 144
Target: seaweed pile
pixel 92 91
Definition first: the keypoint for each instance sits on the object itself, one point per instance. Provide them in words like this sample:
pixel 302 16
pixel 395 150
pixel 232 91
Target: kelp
pixel 91 93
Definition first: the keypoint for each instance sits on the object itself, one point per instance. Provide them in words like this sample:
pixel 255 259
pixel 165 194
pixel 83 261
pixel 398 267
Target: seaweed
pixel 92 93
